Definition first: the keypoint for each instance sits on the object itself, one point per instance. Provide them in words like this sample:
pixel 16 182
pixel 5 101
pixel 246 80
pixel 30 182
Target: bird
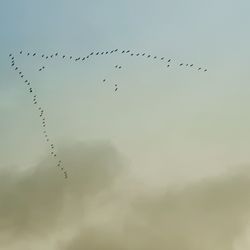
pixel 16 68
pixel 199 68
pixel 22 76
pixel 169 60
pixel 123 51
pixel 104 80
pixel 10 55
pixel 155 57
pixel 51 56
pixel 21 52
pixel 107 52
pixel 102 53
pixel 83 58
pixel 187 64
pixel 181 64
pixel 20 73
pixel 127 51
pixel 116 89
pixel 149 56
pixel 47 57
pixel 143 54
pixel 162 58
pixel 40 69
pixel 116 50
pixel 97 53
pixel 63 56
pixel 56 54
pixel 26 81
pixel 65 175
pixel 137 54
pixel 30 90
pixel 205 70
pixel 168 65
pixel 120 67
pixel 91 53
pixel 13 58
pixel 34 54
pixel 191 65
pixel 87 56
pixel 42 55
pixel 116 66
pixel 131 54
pixel 28 54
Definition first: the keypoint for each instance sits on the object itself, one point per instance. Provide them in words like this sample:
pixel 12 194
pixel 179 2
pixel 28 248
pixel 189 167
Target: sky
pixel 167 152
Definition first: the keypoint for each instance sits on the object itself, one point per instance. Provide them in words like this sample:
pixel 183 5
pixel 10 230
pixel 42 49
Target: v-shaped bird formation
pixel 167 63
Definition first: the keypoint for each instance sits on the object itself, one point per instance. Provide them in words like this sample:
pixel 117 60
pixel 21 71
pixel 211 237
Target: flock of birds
pixel 34 95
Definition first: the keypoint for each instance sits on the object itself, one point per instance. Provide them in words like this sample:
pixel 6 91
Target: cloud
pixel 212 214
pixel 101 208
pixel 33 202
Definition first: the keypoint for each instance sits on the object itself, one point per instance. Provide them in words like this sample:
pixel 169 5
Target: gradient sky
pixel 170 125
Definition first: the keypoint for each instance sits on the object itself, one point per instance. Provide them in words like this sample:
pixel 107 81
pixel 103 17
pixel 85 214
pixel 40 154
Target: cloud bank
pixel 100 208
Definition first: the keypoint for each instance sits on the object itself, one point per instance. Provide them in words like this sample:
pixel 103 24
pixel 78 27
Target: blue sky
pixel 191 109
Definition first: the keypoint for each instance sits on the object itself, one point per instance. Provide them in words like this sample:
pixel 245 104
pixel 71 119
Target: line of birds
pixel 129 52
pixel 41 113
pixel 78 59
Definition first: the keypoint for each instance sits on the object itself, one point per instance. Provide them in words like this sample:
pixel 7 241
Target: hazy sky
pixel 168 126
